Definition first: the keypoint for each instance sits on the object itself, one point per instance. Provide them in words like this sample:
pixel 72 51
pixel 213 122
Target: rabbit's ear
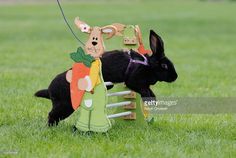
pixel 109 30
pixel 82 25
pixel 156 44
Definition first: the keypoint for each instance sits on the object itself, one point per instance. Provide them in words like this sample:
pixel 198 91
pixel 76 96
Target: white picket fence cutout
pixel 112 105
pixel 118 104
pixel 119 114
pixel 118 93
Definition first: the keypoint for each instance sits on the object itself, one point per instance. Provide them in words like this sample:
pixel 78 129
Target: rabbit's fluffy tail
pixel 42 93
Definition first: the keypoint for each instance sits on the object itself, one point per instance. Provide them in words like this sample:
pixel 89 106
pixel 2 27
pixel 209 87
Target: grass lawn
pixel 35 45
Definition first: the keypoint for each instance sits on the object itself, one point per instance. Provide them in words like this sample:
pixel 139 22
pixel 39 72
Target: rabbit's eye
pixel 164 66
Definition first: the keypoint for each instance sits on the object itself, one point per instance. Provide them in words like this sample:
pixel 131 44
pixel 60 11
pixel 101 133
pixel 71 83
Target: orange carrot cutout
pixel 80 70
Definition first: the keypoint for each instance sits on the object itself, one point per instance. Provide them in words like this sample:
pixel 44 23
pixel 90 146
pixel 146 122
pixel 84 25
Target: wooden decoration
pixel 132 116
pixel 82 25
pixel 141 48
pixel 132 95
pixel 130 106
pixel 88 90
pixel 86 82
pixel 94 45
pixel 79 71
pixel 92 112
pixel 132 38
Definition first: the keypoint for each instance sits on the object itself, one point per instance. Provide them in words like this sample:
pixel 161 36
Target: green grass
pixel 35 45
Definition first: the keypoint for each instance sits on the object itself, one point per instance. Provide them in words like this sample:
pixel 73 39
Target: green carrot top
pixel 81 57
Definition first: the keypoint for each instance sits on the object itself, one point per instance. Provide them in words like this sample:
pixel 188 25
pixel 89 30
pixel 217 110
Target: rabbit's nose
pixel 94 43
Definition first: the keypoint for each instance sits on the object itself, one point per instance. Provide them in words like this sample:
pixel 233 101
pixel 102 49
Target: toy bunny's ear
pixel 82 25
pixel 120 28
pixel 109 30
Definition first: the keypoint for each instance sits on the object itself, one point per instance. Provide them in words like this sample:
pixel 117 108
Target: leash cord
pixel 71 30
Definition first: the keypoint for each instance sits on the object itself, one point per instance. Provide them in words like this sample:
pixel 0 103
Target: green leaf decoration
pixel 81 57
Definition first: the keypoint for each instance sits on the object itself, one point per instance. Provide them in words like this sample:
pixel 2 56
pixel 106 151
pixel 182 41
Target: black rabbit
pixel 116 68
